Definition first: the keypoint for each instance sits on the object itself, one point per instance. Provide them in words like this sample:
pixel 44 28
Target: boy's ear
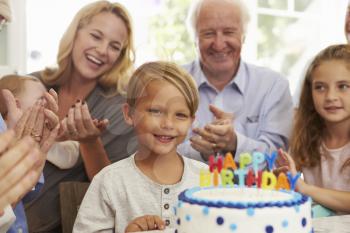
pixel 127 114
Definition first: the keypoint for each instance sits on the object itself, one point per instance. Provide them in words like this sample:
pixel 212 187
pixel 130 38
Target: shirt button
pixel 166 190
pixel 167 222
pixel 166 206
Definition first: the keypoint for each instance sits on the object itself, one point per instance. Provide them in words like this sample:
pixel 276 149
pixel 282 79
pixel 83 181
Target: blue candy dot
pixel 269 229
pixel 178 221
pixel 303 222
pixel 205 210
pixel 188 217
pixel 297 208
pixel 250 211
pixel 219 220
pixel 285 223
pixel 233 227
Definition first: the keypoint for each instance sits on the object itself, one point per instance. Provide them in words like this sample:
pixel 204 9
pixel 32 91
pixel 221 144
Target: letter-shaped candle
pixel 205 178
pixel 282 182
pixel 229 161
pixel 271 159
pixel 241 175
pixel 226 177
pixel 293 180
pixel 268 180
pixel 258 158
pixel 244 160
pixel 213 164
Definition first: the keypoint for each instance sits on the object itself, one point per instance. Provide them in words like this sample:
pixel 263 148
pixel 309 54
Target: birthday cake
pixel 261 204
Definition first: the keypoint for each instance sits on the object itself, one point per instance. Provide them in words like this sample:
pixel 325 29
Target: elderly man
pixel 243 107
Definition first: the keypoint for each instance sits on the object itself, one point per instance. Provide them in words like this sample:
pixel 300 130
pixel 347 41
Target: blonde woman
pixel 94 60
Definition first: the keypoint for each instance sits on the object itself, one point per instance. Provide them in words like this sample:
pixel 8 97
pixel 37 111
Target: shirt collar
pixel 239 80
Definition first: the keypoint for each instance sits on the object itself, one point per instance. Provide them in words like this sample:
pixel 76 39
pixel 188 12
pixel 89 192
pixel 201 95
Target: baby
pixel 27 90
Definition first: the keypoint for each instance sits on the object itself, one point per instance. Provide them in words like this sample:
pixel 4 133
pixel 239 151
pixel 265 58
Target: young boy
pixel 139 192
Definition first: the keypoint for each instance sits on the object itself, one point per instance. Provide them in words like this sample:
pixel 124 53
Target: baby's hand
pixel 145 223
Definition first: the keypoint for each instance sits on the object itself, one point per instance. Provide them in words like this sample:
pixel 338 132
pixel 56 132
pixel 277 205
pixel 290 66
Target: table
pixel 167 230
pixel 335 224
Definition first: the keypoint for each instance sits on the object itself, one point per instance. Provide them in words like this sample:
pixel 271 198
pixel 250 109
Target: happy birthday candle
pixel 268 180
pixel 282 182
pixel 227 177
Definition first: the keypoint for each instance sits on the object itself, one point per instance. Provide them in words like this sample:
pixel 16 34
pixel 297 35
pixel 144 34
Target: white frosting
pixel 242 195
pixel 199 218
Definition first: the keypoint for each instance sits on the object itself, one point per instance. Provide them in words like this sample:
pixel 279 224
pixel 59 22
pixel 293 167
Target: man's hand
pixel 145 223
pixel 216 136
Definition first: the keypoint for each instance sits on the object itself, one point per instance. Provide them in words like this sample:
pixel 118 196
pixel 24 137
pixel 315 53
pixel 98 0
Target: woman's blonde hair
pixel 15 84
pixel 165 71
pixel 119 74
pixel 306 139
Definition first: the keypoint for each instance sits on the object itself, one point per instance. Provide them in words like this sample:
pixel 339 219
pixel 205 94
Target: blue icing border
pixel 187 196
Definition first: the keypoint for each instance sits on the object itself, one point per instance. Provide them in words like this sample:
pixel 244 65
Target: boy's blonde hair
pixel 165 71
pixel 119 74
pixel 308 130
pixel 15 84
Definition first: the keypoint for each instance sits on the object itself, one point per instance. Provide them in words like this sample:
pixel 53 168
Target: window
pixel 282 35
pixel 12 41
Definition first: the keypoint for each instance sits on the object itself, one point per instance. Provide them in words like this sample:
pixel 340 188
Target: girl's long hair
pixel 119 74
pixel 308 130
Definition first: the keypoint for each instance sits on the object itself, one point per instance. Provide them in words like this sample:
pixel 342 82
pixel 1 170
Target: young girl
pixel 139 192
pixel 27 90
pixel 320 142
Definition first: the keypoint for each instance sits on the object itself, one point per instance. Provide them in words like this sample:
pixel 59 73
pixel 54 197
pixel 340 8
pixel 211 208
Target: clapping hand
pixel 145 223
pixel 216 136
pixel 78 125
pixel 19 163
pixel 40 121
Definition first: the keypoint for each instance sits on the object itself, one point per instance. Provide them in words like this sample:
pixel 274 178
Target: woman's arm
pixel 79 126
pixel 94 156
pixel 332 199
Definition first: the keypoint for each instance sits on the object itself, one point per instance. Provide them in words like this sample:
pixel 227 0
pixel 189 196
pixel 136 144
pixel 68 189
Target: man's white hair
pixel 193 14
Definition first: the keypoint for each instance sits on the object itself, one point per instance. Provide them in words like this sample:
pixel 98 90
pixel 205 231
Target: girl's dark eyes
pixel 319 87
pixel 343 86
